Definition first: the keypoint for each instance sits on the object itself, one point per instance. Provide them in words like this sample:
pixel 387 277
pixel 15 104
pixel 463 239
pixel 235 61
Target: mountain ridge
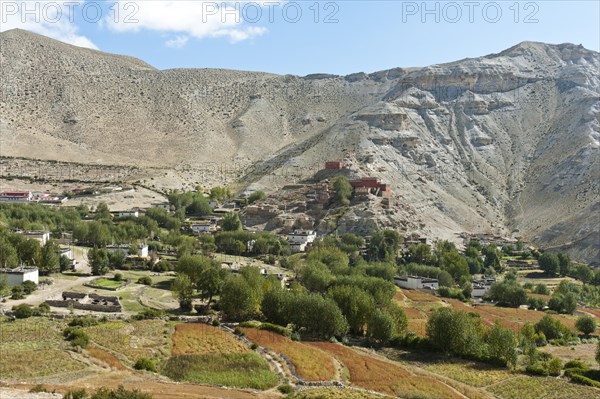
pixel 504 143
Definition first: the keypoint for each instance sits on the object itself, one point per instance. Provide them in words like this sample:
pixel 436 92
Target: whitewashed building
pixel 142 249
pixel 162 205
pixel 416 282
pixel 203 227
pixel 300 239
pixel 66 251
pixel 482 287
pixel 19 275
pixel 42 236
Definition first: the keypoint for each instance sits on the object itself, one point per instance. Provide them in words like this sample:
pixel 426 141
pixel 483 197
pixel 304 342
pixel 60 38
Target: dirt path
pixel 158 389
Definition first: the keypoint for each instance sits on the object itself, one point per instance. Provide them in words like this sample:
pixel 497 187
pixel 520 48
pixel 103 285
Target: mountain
pixel 506 143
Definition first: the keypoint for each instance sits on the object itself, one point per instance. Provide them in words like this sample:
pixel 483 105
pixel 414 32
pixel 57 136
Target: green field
pixel 107 283
pixel 32 348
pixel 539 387
pixel 242 370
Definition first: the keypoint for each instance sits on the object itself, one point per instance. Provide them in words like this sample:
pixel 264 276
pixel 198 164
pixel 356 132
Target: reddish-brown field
pixel 106 357
pixel 419 296
pixel 379 375
pixel 310 363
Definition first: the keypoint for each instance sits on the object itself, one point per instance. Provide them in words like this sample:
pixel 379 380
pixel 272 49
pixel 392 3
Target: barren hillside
pixel 506 143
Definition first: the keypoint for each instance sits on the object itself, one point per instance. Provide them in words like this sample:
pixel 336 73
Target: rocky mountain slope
pixel 505 143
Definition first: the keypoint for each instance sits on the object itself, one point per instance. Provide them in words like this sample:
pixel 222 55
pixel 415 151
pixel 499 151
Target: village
pixel 274 275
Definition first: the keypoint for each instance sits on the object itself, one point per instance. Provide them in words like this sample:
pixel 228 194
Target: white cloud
pixel 178 42
pixel 50 19
pixel 188 19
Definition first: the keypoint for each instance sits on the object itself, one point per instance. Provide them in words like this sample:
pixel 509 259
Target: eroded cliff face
pixel 506 143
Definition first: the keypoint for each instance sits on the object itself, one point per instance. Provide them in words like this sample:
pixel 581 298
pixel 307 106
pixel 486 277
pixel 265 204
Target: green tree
pixel 184 290
pixel 237 299
pixel 384 245
pixel 8 254
pixel 455 332
pixel 356 305
pixel 564 264
pixel 549 263
pixel 585 324
pixel 30 252
pixel 492 257
pixel 231 222
pixel 98 234
pixel 420 253
pixel 342 189
pixel 508 293
pixel 316 276
pixel 552 328
pixel 102 212
pixel 381 326
pixel 50 257
pixel 98 260
pixel 502 345
pixel 199 206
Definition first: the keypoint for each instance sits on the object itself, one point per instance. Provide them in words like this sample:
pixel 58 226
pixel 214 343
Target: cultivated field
pixel 310 363
pixel 387 377
pixel 198 338
pixel 133 340
pixel 242 370
pixel 34 348
pixel 540 387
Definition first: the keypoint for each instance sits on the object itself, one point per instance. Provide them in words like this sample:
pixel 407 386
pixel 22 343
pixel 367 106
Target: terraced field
pixel 310 363
pixel 540 387
pixel 135 339
pixel 199 338
pixel 39 342
pixel 387 377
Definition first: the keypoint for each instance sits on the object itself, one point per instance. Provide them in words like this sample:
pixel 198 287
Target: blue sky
pixel 343 37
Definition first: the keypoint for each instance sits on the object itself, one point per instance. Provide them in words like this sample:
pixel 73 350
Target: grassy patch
pixel 107 283
pixel 242 370
pixel 471 373
pixel 199 338
pixel 539 387
pixel 310 363
pixel 32 348
pixel 387 377
pixel 141 338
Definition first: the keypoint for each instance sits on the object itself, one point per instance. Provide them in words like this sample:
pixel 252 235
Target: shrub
pixel 28 287
pixel 76 394
pixel 285 389
pixel 552 328
pixel 77 336
pixel 554 367
pixel 17 292
pixel 43 308
pixel 580 379
pixel 571 371
pixel 275 328
pixel 149 314
pixel 22 311
pixel 146 280
pixel 83 322
pixel 145 364
pixel 575 363
pixel 118 277
pixel 39 388
pixel 537 368
pixel 254 346
pixel 585 324
pixel 216 323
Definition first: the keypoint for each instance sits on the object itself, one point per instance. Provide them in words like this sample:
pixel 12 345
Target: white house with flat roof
pixel 19 275
pixel 142 249
pixel 42 236
pixel 416 282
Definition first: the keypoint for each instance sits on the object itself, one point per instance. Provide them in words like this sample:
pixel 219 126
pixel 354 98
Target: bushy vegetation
pixel 244 370
pixel 106 393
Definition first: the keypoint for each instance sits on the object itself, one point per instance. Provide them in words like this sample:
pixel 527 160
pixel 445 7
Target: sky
pixel 304 37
